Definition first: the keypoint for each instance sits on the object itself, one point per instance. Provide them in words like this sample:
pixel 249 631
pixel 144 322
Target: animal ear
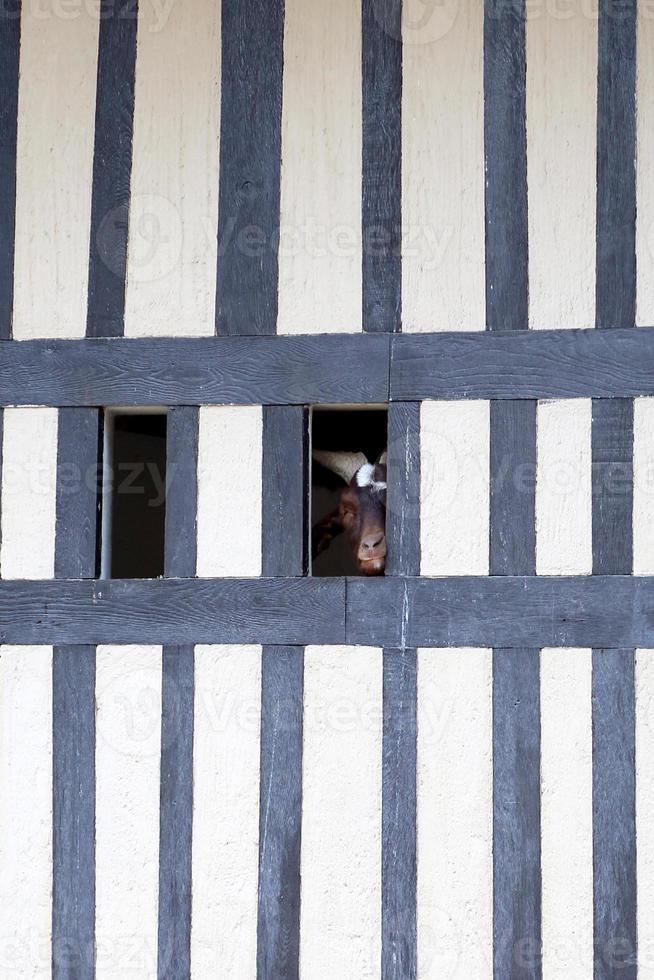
pixel 344 465
pixel 324 531
pixel 382 459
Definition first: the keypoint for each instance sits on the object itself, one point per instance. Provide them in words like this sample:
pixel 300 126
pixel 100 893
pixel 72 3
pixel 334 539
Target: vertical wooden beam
pixel 614 804
pixel 177 706
pixel 382 164
pixel 250 165
pixel 73 693
pixel 516 725
pixel 112 165
pixel 282 690
pixel 9 59
pixel 399 939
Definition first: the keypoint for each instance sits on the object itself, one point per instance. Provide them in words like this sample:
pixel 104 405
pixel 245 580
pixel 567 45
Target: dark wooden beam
pixel 174 611
pixel 9 64
pixel 201 371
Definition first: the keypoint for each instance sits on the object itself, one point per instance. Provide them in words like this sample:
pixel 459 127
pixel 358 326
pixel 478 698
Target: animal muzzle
pixel 371 556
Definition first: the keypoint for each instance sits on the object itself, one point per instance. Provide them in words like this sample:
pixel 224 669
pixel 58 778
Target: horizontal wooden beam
pixel 355 368
pixel 523 364
pixel 500 611
pixel 173 611
pixel 350 368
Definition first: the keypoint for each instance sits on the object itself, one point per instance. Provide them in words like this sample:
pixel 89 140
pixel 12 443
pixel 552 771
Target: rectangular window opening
pixel 347 532
pixel 133 494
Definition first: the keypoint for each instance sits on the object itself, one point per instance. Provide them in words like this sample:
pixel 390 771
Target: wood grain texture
pixel 285 494
pixel 502 611
pixel 399 816
pixel 73 707
pixel 284 533
pixel 615 289
pixel 177 709
pixel 513 488
pixel 197 371
pixel 403 494
pixel 174 611
pixel 381 190
pixel 505 150
pixel 280 813
pixel 614 814
pixel 523 364
pixel 250 163
pixel 516 814
pixel 112 166
pixel 9 60
pixel 614 821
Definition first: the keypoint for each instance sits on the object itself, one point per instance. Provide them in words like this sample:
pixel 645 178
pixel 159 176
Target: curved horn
pixel 344 465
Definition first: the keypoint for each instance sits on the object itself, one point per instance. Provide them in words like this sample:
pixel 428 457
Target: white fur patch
pixel 365 478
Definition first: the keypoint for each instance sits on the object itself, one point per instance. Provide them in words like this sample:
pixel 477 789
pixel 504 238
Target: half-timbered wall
pixel 235 211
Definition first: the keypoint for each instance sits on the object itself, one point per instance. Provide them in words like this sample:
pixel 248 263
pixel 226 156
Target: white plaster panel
pixel 29 491
pixel 128 754
pixel 644 677
pixel 561 143
pixel 455 814
pixel 340 915
pixel 54 167
pixel 443 254
pixel 226 811
pixel 643 506
pixel 229 490
pixel 455 481
pixel 172 248
pixel 320 241
pixel 566 814
pixel 25 811
pixel 645 167
pixel 564 538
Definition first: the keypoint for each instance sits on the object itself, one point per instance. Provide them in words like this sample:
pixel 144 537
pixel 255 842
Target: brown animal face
pixel 361 513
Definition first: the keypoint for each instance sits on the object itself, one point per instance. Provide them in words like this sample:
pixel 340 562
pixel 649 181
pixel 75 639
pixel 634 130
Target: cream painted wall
pixel 229 491
pixel 561 165
pixel 455 814
pixel 454 487
pixel 564 538
pixel 56 121
pixel 25 811
pixel 172 247
pixel 127 759
pixel 566 814
pixel 340 911
pixel 28 497
pixel 320 241
pixel 443 266
pixel 226 811
pixel 643 506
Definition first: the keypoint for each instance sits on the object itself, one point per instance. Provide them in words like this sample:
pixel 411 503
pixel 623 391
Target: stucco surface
pixel 127 758
pixel 54 165
pixel 340 915
pixel 29 487
pixel 320 240
pixel 643 512
pixel 564 543
pixel 566 814
pixel 172 247
pixel 229 491
pixel 455 814
pixel 443 263
pixel 226 811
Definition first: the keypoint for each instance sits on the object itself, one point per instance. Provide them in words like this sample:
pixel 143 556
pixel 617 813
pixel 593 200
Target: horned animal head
pixel 361 510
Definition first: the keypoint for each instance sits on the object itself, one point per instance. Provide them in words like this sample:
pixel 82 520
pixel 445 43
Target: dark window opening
pixel 134 495
pixel 347 430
